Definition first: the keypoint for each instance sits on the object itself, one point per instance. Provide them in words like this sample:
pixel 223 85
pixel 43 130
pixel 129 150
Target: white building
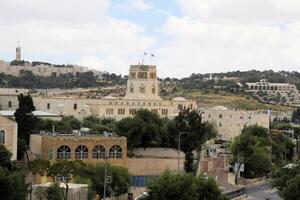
pixel 230 123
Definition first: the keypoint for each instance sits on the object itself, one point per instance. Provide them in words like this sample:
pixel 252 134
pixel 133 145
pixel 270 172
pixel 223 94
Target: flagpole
pixel 145 53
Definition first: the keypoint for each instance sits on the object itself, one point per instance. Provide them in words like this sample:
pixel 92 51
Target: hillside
pixel 210 99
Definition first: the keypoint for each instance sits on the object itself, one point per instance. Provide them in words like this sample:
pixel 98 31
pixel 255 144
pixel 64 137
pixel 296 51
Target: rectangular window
pixel 220 116
pixel 9 104
pixel 75 106
pixel 132 111
pixel 121 111
pixel 48 106
pixel 109 111
pixel 164 111
pixel 154 111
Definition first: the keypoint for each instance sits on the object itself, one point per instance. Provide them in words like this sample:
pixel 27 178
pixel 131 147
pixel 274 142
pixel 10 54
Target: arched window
pixel 131 88
pixel 153 89
pixel 115 152
pixel 142 89
pixel 64 152
pixel 81 152
pixel 98 152
pixel 2 137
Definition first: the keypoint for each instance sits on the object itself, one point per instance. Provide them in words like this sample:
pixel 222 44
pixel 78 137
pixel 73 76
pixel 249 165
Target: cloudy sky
pixel 186 36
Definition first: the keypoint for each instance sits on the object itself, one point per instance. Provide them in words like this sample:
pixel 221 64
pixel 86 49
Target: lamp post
pixel 179 135
pixel 105 176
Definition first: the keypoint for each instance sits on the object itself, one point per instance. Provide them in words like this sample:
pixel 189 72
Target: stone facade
pixel 142 93
pixel 49 148
pixel 9 135
pixel 41 69
pixel 229 123
pixel 142 82
pixel 263 85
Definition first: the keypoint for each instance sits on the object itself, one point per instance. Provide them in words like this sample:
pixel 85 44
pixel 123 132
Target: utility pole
pixel 105 176
pixel 285 149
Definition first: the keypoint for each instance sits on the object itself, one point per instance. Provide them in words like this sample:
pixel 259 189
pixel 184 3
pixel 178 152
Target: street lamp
pixel 179 135
pixel 105 175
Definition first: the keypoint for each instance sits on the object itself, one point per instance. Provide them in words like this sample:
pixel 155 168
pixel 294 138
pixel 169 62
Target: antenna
pixel 18 43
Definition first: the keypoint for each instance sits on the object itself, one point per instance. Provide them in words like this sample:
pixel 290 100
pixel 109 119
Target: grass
pixel 232 101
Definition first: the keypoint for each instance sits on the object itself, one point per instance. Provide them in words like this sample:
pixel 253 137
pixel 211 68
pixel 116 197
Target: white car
pixel 143 195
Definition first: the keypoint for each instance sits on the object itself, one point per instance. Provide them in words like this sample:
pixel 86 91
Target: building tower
pixel 18 52
pixel 142 83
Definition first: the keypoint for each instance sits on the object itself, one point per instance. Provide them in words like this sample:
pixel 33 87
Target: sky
pixel 185 36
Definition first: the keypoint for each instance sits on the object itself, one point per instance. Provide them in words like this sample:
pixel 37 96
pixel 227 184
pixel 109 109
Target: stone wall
pixel 11 135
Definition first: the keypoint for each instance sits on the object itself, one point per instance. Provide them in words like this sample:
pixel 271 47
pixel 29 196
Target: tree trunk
pixel 188 163
pixel 67 191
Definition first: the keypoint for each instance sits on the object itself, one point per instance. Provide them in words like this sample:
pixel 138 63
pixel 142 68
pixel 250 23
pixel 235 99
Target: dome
pixel 179 99
pixel 109 97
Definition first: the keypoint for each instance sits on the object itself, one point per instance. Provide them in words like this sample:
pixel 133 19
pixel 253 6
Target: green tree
pixel 286 180
pixel 171 186
pixel 99 125
pixel 145 129
pixel 24 117
pixel 63 169
pixel 195 132
pixel 5 156
pixel 18 182
pixel 54 192
pixel 120 179
pixel 292 189
pixel 39 166
pixel 252 148
pixel 281 145
pixel 296 115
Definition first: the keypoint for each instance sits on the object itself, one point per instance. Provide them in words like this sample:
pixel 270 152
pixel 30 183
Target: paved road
pixel 262 191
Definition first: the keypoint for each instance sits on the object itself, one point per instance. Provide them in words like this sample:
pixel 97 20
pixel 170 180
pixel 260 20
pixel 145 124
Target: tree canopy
pixel 24 117
pixel 194 134
pixel 12 177
pixel 286 179
pixel 253 148
pixel 170 186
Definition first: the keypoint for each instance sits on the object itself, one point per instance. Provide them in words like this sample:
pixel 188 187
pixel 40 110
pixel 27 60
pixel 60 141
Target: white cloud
pixel 77 29
pixel 211 36
pixel 242 11
pixel 226 35
pixel 140 5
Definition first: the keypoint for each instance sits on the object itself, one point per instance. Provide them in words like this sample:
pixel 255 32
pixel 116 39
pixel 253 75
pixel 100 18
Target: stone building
pixel 89 148
pixel 142 93
pixel 9 135
pixel 42 69
pixel 230 123
pixel 264 85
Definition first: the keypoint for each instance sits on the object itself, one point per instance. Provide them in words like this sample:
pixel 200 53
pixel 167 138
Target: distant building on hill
pixel 15 67
pixel 264 85
pixel 284 93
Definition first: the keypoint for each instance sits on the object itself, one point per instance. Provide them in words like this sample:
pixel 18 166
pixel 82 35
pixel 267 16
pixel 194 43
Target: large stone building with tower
pixel 142 93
